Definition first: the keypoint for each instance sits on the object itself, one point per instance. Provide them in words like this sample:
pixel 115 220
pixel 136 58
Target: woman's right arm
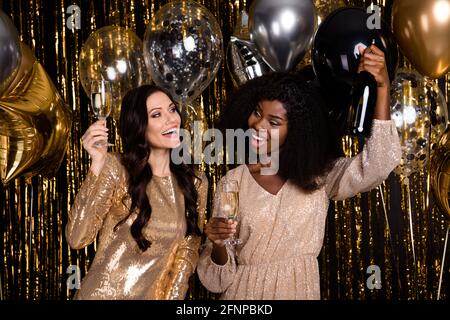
pixel 95 196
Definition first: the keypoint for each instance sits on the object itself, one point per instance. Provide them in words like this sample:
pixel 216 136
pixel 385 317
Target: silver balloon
pixel 244 61
pixel 420 113
pixel 10 53
pixel 183 49
pixel 282 30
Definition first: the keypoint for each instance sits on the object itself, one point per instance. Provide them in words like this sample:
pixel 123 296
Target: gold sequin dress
pixel 120 270
pixel 283 234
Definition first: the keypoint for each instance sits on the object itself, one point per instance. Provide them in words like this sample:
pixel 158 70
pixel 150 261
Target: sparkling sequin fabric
pixel 283 234
pixel 120 270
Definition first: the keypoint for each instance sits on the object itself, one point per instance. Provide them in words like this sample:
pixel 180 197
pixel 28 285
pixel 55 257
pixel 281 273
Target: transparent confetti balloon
pixel 419 110
pixel 183 49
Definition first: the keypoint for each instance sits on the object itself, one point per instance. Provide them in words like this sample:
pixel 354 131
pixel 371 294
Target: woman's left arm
pixel 186 256
pixel 382 152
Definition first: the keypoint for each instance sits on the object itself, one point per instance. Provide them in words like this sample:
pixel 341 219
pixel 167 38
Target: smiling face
pixel 163 128
pixel 267 116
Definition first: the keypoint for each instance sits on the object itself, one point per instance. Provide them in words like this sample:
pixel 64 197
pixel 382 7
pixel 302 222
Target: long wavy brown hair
pixel 136 151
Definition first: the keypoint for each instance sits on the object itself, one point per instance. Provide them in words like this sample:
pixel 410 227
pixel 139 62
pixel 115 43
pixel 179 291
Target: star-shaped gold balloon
pixel 35 123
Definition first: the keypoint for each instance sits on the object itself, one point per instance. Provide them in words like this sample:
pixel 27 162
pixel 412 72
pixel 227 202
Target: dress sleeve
pixel 363 172
pixel 92 204
pixel 186 256
pixel 216 278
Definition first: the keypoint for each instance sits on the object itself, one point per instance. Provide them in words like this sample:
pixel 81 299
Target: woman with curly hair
pixel 147 211
pixel 282 215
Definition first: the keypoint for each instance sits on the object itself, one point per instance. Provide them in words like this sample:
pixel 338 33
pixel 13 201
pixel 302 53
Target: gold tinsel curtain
pixel 34 255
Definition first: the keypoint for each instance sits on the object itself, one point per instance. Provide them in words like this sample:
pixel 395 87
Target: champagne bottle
pixel 362 108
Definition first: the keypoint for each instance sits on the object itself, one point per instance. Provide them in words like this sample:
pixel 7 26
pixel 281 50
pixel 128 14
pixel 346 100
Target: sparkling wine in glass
pixel 101 100
pixel 229 205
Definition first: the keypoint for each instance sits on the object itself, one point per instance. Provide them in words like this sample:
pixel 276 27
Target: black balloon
pixel 335 55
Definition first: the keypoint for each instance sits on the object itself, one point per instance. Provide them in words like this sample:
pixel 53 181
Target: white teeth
pixel 170 131
pixel 257 138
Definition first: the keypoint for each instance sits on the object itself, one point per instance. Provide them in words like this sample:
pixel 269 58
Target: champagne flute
pixel 101 100
pixel 229 205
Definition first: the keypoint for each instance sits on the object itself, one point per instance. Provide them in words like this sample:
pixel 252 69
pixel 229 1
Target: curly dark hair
pixel 136 151
pixel 312 143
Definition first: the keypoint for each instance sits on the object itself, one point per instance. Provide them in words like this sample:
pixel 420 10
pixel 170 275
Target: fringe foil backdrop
pixel 34 255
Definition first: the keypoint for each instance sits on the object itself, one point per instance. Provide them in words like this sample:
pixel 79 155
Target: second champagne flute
pixel 229 205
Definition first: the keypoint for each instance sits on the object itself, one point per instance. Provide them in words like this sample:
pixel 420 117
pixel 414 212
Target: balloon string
pixel 30 259
pixel 391 240
pixel 411 233
pixel 443 263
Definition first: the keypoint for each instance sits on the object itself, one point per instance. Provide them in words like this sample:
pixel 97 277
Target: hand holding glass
pixel 101 100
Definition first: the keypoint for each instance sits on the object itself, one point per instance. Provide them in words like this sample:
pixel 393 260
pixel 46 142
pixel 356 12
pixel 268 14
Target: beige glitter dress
pixel 120 270
pixel 283 234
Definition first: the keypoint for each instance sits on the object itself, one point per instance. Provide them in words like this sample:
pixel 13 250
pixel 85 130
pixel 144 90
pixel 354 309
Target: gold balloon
pixel 115 54
pixel 422 29
pixel 35 125
pixel 440 173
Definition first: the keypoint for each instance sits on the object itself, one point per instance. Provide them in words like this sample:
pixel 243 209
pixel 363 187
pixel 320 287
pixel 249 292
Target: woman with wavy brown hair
pixel 147 210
